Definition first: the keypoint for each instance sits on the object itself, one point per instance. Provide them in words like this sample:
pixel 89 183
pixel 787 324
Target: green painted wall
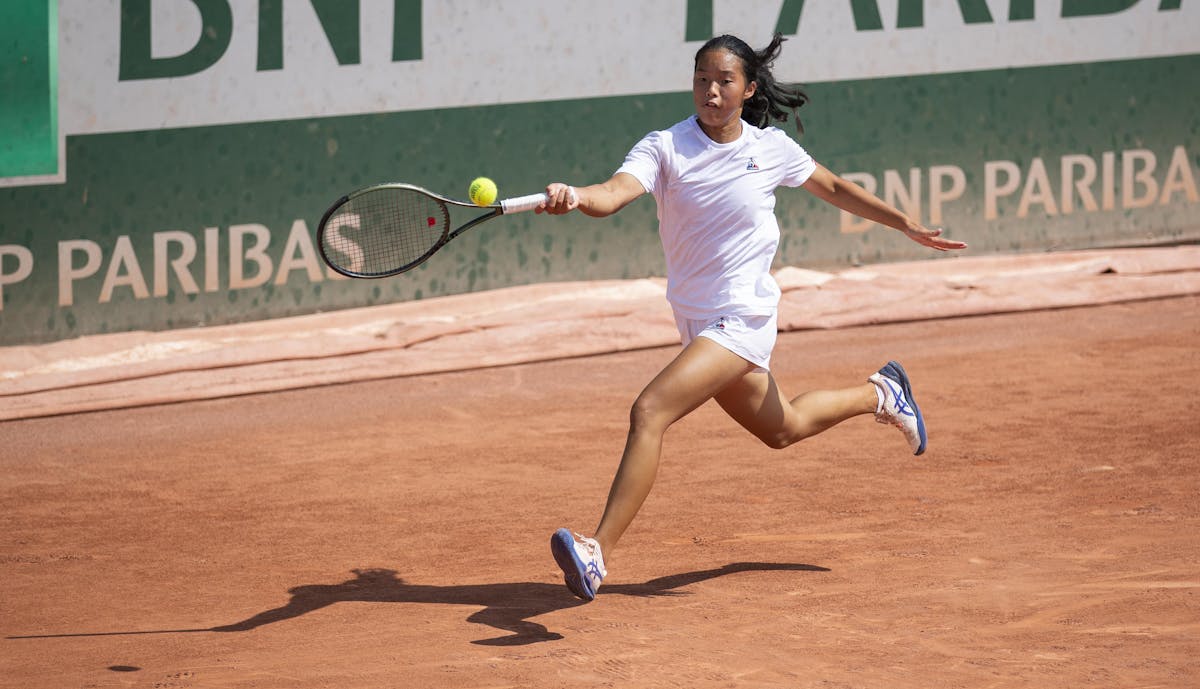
pixel 142 186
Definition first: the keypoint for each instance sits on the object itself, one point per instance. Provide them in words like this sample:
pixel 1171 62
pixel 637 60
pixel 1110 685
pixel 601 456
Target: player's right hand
pixel 563 199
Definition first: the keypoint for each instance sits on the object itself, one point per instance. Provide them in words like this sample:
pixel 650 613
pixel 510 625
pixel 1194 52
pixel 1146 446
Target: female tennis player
pixel 714 177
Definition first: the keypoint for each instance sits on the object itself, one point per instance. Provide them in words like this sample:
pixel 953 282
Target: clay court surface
pixel 394 533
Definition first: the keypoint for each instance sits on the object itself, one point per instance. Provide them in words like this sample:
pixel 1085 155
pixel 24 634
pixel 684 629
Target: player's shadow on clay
pixel 505 606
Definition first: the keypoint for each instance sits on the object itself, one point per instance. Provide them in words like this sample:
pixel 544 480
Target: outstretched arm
pixel 597 200
pixel 852 198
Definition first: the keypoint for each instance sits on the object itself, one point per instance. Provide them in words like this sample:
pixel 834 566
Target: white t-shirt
pixel 716 213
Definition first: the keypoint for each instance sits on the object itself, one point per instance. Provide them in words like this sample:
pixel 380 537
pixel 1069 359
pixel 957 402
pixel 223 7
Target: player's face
pixel 719 88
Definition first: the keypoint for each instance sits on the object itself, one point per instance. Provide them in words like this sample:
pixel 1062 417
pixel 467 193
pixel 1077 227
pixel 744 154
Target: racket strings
pixel 383 231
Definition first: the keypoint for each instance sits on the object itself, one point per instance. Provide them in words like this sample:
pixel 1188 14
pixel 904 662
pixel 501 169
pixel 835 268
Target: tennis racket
pixel 387 229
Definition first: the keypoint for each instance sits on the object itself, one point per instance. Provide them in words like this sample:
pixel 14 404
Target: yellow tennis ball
pixel 482 192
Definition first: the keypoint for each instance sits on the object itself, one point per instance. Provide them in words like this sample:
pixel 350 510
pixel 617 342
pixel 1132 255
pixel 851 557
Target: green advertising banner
pixel 203 140
pixel 29 74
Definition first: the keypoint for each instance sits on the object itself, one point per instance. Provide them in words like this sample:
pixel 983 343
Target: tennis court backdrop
pixel 164 162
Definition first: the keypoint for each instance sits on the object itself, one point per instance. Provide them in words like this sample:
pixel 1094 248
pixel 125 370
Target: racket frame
pixel 522 203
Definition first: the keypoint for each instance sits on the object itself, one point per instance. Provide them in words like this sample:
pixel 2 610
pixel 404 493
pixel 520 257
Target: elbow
pixel 840 186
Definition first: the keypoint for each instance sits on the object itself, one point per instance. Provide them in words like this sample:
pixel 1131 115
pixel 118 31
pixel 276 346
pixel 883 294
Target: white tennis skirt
pixel 750 337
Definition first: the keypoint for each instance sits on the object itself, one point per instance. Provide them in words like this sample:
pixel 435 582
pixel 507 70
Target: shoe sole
pixel 562 544
pixel 896 372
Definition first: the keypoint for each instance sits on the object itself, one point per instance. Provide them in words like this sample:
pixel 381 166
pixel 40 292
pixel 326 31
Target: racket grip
pixel 527 203
pixel 523 203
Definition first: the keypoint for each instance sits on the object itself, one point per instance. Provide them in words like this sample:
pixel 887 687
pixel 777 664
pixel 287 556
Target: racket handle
pixel 528 203
pixel 523 203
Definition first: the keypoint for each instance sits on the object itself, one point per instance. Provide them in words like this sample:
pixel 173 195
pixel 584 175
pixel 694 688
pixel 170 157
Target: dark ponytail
pixel 771 100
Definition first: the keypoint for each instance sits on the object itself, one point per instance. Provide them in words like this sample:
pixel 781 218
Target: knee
pixel 778 441
pixel 646 415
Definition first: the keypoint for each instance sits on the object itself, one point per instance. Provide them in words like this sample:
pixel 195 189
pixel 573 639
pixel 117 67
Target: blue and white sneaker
pixel 581 562
pixel 899 409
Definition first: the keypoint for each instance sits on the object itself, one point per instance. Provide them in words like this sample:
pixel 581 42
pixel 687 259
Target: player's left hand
pixel 932 238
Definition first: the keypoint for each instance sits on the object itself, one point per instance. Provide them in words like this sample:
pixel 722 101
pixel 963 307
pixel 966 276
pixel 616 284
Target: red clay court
pixel 393 532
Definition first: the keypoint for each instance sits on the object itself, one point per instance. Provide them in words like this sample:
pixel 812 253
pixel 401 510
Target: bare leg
pixel 756 402
pixel 702 369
